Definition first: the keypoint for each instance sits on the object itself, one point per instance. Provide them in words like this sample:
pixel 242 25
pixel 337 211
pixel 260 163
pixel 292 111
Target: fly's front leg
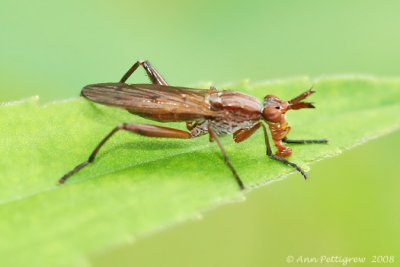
pixel 141 129
pixel 278 158
pixel 154 76
pixel 242 134
pixel 312 141
pixel 214 137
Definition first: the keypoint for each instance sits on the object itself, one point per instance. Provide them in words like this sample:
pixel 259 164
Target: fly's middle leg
pixel 214 137
pixel 154 76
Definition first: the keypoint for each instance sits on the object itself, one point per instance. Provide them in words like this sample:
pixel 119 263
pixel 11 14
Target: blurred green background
pixel 348 208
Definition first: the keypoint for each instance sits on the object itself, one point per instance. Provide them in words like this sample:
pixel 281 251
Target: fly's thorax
pixel 235 105
pixel 236 111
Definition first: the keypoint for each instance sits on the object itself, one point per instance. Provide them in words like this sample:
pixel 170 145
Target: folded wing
pixel 157 102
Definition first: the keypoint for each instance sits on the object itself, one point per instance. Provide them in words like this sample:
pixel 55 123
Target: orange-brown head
pixel 274 107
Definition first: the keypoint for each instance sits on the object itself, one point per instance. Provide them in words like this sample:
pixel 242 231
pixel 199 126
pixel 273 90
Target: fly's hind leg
pixel 141 129
pixel 154 76
pixel 190 125
pixel 312 141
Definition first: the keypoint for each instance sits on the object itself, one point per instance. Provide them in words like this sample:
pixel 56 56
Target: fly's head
pixel 275 109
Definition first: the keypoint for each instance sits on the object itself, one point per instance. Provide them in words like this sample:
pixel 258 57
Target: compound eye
pixel 272 114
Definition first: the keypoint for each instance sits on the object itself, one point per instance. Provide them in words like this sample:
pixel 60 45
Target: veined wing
pixel 157 102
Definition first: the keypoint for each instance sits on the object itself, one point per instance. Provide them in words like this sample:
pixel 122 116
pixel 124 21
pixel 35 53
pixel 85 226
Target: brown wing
pixel 157 102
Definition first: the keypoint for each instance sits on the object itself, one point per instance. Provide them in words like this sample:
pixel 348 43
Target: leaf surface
pixel 139 185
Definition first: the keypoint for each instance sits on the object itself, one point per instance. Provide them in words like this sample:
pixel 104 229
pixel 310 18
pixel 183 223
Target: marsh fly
pixel 209 112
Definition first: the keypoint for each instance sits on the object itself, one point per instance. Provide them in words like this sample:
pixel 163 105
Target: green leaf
pixel 140 185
